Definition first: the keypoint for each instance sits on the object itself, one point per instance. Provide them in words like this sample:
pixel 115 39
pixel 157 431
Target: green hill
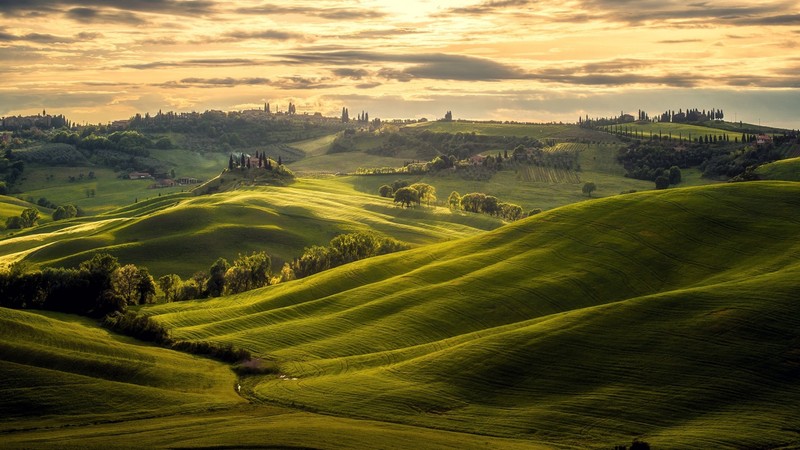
pixel 68 384
pixel 786 170
pixel 667 315
pixel 183 234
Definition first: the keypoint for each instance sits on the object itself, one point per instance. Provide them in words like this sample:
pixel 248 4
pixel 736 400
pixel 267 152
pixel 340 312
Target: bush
pixel 222 352
pixel 138 326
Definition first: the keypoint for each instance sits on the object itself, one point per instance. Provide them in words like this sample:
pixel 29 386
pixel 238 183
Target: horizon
pixel 108 60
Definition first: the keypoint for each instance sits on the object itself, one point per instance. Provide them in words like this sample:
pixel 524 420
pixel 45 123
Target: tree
pixel 425 193
pixel 248 272
pixel 126 282
pixel 454 200
pixel 230 163
pixel 386 191
pixel 588 188
pixel 29 217
pixel 216 277
pixel 170 285
pixel 662 182
pixel 406 196
pixel 674 175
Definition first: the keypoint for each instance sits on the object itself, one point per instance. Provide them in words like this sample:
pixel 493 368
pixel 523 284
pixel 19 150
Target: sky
pixel 543 60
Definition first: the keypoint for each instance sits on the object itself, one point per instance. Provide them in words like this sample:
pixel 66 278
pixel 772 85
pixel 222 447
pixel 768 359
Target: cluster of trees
pixel 28 218
pixel 407 194
pixel 737 162
pixel 238 129
pixel 343 249
pixel 647 160
pixel 99 286
pixel 478 202
pixel 11 169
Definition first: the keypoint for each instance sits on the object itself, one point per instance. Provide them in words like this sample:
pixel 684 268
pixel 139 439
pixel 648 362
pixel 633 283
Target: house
pixel 477 160
pixel 140 176
pixel 164 183
pixel 763 139
pixel 188 180
pixel 626 118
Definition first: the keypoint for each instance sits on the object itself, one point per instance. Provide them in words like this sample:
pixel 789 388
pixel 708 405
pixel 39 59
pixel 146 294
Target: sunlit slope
pixel 185 234
pixel 786 169
pixel 64 368
pixel 666 314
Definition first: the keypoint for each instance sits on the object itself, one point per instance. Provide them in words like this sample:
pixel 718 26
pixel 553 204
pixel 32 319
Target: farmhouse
pixel 164 183
pixel 477 160
pixel 188 180
pixel 763 139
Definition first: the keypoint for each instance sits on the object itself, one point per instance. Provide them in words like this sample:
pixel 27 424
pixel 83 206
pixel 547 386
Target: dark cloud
pixel 679 41
pixel 228 62
pixel 35 38
pixel 387 33
pixel 353 74
pixel 488 7
pixel 266 35
pixel 368 85
pixel 324 13
pixel 91 15
pixel 224 82
pixel 172 7
pixel 437 66
pixel 303 83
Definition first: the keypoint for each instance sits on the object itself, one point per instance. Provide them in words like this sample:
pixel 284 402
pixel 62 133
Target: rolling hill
pixel 182 234
pixel 667 315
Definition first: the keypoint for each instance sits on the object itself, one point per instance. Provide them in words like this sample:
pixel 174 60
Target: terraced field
pixel 666 315
pixel 183 234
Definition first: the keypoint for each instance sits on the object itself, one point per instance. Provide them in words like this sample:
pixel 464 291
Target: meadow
pixel 669 316
pixel 579 327
pixel 677 131
pixel 192 232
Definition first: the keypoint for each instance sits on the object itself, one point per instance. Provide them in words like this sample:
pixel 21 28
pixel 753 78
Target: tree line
pixel 101 285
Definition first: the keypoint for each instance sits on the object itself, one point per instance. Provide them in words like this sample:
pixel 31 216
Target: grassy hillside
pixel 667 315
pixel 559 132
pixel 182 234
pixel 598 165
pixel 68 383
pixel 56 365
pixel 683 131
pixel 787 170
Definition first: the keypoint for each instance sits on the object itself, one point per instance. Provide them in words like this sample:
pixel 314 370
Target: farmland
pixel 677 131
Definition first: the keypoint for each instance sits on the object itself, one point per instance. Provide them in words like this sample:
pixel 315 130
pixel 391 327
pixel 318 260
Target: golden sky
pixel 545 60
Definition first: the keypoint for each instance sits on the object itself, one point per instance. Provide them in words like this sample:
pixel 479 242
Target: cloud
pixel 353 74
pixel 265 35
pixel 303 83
pixel 437 66
pixel 487 7
pixel 170 7
pixel 35 38
pixel 335 13
pixel 223 82
pixel 227 62
pixel 91 15
pixel 679 41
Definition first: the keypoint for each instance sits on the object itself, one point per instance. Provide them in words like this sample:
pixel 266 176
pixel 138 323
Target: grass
pixel 68 383
pixel 192 232
pixel 558 132
pixel 676 130
pixel 57 366
pixel 598 164
pixel 667 315
pixel 787 169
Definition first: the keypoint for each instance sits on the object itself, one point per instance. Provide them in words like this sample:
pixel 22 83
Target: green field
pixel 69 384
pixel 675 130
pixel 598 165
pixel 787 170
pixel 668 315
pixel 183 234
pixel 558 132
